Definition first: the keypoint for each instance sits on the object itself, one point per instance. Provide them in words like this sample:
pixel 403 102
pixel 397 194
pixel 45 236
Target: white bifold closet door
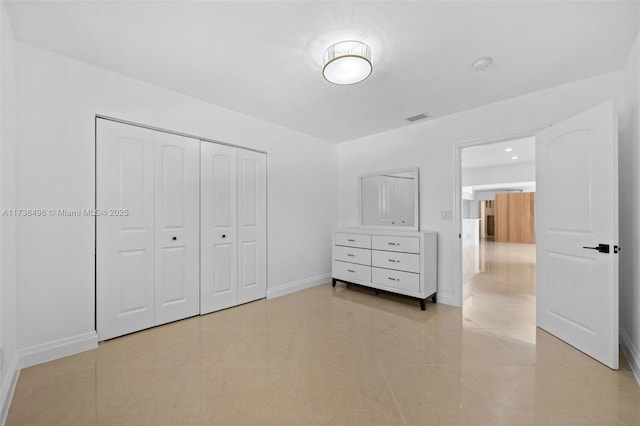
pixel 233 226
pixel 177 234
pixel 252 225
pixel 146 259
pixel 218 221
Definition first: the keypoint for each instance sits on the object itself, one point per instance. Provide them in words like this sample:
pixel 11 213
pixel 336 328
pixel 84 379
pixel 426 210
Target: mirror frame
pixel 416 199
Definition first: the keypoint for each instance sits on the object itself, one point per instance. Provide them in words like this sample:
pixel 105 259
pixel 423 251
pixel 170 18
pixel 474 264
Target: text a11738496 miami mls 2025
pixel 58 212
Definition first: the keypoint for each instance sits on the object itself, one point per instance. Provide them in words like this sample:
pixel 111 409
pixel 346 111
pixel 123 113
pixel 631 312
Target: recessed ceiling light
pixel 482 64
pixel 515 157
pixel 347 62
pixel 508 150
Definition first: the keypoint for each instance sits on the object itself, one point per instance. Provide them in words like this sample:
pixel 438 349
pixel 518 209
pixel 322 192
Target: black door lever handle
pixel 602 248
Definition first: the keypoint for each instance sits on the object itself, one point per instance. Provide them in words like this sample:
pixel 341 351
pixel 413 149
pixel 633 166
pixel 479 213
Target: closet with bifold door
pixel 233 222
pixel 181 228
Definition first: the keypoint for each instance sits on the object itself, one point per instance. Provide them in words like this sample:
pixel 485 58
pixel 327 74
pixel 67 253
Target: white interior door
pixel 252 226
pixel 218 218
pixel 177 204
pixel 125 243
pixel 577 208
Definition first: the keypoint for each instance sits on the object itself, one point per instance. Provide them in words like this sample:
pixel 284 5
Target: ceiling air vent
pixel 418 117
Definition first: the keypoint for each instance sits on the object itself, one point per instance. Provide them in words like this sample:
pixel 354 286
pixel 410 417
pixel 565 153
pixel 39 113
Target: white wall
pixel 629 178
pixel 520 172
pixel 8 341
pixel 470 209
pixel 430 145
pixel 58 99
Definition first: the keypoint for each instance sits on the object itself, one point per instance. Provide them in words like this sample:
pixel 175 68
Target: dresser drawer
pixel 403 244
pixel 393 260
pixel 353 240
pixel 351 271
pixel 396 279
pixel 352 254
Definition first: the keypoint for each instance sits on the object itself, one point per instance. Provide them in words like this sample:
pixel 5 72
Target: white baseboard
pixel 57 349
pixel 447 300
pixel 632 353
pixel 8 387
pixel 288 288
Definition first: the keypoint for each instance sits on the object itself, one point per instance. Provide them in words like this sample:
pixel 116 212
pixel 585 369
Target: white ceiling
pixel 264 58
pixel 495 154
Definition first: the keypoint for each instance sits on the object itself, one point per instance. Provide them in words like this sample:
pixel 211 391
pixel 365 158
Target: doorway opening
pixel 577 291
pixel 498 263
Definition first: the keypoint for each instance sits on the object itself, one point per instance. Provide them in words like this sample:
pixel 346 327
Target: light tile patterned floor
pixel 342 356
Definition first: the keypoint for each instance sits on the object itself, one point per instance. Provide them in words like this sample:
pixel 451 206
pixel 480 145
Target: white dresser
pixel 403 262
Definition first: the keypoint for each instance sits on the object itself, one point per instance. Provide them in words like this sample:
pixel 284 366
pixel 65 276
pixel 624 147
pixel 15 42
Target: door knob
pixel 602 248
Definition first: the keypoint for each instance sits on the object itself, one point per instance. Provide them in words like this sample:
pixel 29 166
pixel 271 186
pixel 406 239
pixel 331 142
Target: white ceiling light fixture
pixel 515 157
pixel 508 149
pixel 347 62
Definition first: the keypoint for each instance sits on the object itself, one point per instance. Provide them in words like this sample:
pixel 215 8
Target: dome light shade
pixel 347 62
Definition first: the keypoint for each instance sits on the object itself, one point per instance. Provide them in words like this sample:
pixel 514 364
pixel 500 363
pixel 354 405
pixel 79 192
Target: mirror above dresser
pixel 390 199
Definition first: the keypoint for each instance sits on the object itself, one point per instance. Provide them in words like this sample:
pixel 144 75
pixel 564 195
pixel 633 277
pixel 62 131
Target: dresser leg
pixel 422 305
pixel 434 298
pixel 333 282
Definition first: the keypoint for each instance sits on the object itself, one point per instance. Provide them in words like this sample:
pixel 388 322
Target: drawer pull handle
pixel 351 255
pixel 394 244
pixel 351 241
pixel 351 270
pixel 394 279
pixel 394 261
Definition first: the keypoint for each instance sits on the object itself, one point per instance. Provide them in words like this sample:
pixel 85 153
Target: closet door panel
pixel 177 192
pixel 124 243
pixel 252 226
pixel 218 218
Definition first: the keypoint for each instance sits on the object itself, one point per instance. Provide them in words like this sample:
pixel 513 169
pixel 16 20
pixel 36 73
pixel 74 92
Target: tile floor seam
pixel 395 400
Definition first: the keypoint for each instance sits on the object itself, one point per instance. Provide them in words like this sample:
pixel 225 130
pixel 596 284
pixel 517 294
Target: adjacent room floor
pixel 342 356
